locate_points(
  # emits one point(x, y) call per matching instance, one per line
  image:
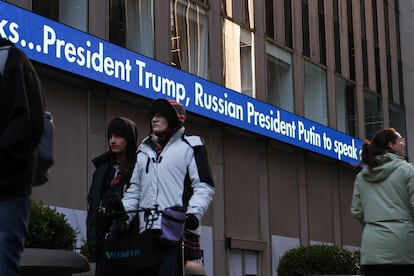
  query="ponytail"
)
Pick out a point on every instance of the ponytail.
point(378, 146)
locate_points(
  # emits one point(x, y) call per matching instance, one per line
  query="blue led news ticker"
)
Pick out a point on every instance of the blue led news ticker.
point(63, 47)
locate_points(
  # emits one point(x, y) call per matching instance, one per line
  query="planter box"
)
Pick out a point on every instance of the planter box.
point(48, 262)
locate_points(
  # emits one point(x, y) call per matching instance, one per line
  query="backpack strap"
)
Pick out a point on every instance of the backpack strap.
point(192, 140)
point(195, 142)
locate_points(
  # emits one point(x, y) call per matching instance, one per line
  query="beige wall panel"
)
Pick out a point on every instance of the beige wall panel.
point(343, 36)
point(241, 188)
point(68, 176)
point(330, 63)
point(215, 43)
point(314, 31)
point(25, 4)
point(383, 63)
point(161, 31)
point(370, 44)
point(394, 51)
point(99, 18)
point(121, 108)
point(283, 193)
point(279, 21)
point(297, 57)
point(320, 205)
point(97, 142)
point(351, 229)
point(356, 18)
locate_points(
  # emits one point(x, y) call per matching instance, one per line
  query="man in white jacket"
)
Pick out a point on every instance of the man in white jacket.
point(171, 170)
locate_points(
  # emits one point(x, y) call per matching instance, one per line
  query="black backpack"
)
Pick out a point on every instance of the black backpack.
point(45, 148)
point(45, 151)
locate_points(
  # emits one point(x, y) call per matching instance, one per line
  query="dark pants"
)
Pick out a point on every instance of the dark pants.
point(387, 270)
point(170, 265)
point(14, 215)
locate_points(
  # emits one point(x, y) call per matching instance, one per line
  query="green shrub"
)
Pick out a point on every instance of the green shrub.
point(84, 250)
point(49, 229)
point(318, 260)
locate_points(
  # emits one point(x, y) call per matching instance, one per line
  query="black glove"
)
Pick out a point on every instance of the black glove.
point(117, 228)
point(191, 222)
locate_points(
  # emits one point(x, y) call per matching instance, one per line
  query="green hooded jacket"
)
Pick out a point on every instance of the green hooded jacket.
point(383, 202)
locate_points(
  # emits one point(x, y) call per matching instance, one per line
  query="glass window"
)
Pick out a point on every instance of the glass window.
point(322, 38)
point(132, 26)
point(241, 11)
point(270, 21)
point(305, 28)
point(288, 23)
point(73, 13)
point(246, 62)
point(243, 263)
point(239, 60)
point(397, 118)
point(346, 114)
point(189, 37)
point(279, 77)
point(373, 114)
point(315, 94)
point(337, 42)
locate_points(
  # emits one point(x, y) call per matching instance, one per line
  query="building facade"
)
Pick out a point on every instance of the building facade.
point(335, 66)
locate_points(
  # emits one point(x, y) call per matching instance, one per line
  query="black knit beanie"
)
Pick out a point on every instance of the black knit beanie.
point(126, 129)
point(171, 109)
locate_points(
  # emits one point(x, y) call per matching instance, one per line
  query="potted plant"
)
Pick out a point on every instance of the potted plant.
point(319, 259)
point(49, 247)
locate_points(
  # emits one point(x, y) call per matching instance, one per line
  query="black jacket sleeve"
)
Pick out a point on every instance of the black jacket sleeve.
point(22, 94)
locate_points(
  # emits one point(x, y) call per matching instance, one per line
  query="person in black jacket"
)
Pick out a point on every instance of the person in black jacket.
point(110, 179)
point(21, 126)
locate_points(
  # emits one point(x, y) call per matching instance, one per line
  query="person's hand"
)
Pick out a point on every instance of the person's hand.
point(120, 226)
point(191, 222)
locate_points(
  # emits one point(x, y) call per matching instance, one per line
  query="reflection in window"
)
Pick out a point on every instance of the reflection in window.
point(397, 118)
point(315, 94)
point(243, 263)
point(246, 62)
point(189, 37)
point(239, 60)
point(73, 13)
point(373, 114)
point(279, 77)
point(346, 117)
point(241, 11)
point(132, 26)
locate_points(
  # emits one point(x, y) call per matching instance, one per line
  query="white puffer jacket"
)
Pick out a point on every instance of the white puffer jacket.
point(179, 176)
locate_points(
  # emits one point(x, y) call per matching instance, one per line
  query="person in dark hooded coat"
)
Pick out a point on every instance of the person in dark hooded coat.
point(21, 127)
point(110, 179)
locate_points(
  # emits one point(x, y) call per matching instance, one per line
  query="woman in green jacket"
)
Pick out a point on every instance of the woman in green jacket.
point(383, 202)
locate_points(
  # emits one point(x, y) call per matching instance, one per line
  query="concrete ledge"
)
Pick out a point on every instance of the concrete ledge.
point(39, 261)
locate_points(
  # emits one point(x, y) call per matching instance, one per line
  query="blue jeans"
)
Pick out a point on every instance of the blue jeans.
point(14, 217)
